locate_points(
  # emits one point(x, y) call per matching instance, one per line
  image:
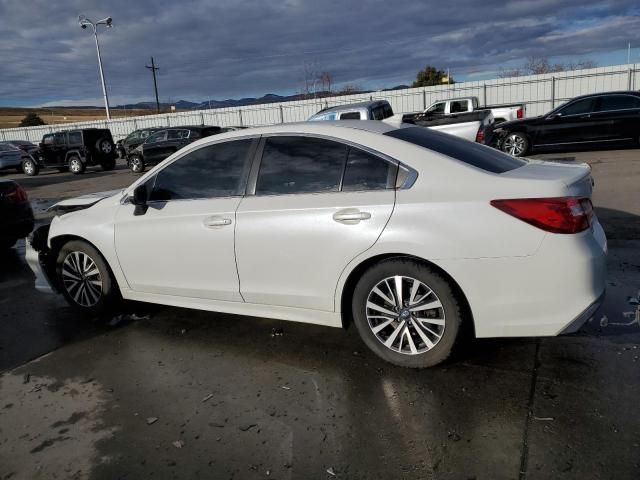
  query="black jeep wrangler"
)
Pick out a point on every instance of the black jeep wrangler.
point(73, 150)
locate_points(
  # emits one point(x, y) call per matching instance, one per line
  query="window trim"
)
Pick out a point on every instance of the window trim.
point(405, 176)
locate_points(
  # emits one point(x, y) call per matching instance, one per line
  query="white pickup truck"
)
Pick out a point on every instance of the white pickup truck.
point(453, 106)
point(476, 126)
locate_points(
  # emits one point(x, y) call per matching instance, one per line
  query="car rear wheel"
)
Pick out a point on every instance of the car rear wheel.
point(85, 279)
point(75, 165)
point(136, 164)
point(407, 313)
point(30, 167)
point(516, 144)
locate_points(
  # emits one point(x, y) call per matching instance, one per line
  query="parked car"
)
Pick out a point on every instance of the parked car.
point(411, 234)
point(474, 126)
point(23, 145)
point(598, 119)
point(10, 157)
point(125, 146)
point(455, 106)
point(159, 145)
point(73, 150)
point(16, 216)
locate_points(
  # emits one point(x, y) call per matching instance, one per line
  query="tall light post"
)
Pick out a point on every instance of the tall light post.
point(84, 23)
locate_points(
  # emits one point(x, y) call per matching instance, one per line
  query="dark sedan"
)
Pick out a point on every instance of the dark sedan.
point(16, 216)
point(599, 119)
point(163, 143)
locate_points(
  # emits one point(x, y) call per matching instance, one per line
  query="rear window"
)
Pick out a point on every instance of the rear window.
point(471, 153)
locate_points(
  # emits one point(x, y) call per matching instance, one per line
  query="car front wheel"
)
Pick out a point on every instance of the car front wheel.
point(407, 313)
point(30, 167)
point(516, 144)
point(85, 279)
point(136, 164)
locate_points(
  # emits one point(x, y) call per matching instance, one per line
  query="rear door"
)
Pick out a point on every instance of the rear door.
point(10, 156)
point(314, 205)
point(621, 113)
point(152, 148)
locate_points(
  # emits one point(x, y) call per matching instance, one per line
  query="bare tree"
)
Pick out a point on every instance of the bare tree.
point(350, 89)
point(326, 79)
point(536, 65)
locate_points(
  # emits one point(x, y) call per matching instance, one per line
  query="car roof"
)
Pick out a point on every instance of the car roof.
point(367, 104)
point(604, 94)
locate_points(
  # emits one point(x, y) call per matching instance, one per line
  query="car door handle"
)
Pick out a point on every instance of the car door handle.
point(351, 216)
point(216, 222)
point(586, 116)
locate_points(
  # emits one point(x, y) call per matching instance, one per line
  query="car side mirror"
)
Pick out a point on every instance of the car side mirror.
point(140, 198)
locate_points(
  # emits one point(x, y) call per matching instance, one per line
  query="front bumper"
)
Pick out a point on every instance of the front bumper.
point(37, 256)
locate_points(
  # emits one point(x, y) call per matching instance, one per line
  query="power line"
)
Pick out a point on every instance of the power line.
point(153, 69)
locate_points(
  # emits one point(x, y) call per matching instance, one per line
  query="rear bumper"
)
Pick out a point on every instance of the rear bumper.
point(17, 223)
point(552, 292)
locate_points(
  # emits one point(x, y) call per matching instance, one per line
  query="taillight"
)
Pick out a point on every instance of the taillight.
point(17, 195)
point(556, 215)
point(520, 112)
point(480, 135)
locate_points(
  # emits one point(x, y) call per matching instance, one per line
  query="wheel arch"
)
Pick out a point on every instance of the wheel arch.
point(72, 153)
point(56, 243)
point(346, 293)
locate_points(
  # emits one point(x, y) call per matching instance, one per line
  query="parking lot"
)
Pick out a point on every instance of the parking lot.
point(165, 392)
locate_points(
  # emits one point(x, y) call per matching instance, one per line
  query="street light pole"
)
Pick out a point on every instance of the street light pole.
point(84, 21)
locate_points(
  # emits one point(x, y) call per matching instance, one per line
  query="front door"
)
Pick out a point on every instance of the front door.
point(574, 123)
point(317, 205)
point(183, 245)
point(152, 147)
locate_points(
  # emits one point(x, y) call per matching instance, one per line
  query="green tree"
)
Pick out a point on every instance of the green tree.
point(32, 120)
point(430, 76)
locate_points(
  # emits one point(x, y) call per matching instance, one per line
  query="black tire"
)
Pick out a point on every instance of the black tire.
point(30, 167)
point(76, 165)
point(109, 293)
point(136, 164)
point(450, 313)
point(108, 165)
point(515, 144)
point(105, 146)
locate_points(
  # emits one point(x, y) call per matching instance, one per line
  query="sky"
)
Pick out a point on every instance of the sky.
point(220, 49)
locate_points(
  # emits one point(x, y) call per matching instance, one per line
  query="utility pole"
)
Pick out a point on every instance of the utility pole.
point(153, 69)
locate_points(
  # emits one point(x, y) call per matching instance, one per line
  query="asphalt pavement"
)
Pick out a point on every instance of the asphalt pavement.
point(163, 392)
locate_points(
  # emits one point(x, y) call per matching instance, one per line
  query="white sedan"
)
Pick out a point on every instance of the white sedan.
point(410, 234)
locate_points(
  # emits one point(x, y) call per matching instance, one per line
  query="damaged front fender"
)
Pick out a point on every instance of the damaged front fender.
point(40, 259)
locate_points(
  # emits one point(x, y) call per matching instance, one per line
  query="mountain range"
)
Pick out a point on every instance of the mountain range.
point(268, 98)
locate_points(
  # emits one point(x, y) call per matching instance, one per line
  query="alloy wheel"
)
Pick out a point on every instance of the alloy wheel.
point(514, 144)
point(136, 164)
point(405, 315)
point(81, 279)
point(28, 167)
point(106, 147)
point(74, 165)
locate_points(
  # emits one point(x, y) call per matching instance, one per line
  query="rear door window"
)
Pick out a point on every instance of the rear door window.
point(618, 102)
point(471, 153)
point(459, 106)
point(293, 165)
point(350, 116)
point(75, 138)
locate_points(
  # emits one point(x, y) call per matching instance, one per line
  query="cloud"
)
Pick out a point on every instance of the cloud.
point(234, 48)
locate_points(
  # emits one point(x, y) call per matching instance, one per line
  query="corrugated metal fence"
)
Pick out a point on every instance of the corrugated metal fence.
point(540, 93)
